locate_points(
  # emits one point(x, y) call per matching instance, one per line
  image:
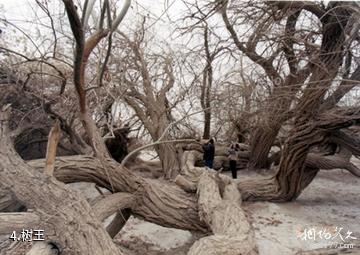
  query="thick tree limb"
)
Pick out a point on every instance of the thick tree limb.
point(88, 7)
point(160, 202)
point(289, 42)
point(331, 162)
point(91, 43)
point(112, 203)
point(79, 66)
point(346, 139)
point(17, 222)
point(223, 214)
point(121, 15)
point(338, 118)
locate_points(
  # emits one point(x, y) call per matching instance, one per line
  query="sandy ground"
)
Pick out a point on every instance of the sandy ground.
point(330, 204)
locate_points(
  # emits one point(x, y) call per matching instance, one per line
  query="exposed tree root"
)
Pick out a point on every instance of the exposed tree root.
point(232, 234)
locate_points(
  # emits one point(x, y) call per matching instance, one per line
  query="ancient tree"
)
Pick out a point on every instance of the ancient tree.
point(287, 61)
point(196, 199)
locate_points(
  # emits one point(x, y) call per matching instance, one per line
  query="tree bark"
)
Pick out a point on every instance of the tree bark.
point(112, 203)
point(17, 222)
point(169, 160)
point(157, 201)
point(8, 202)
point(261, 141)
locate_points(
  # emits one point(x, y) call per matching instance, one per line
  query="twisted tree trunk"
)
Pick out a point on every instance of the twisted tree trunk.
point(74, 227)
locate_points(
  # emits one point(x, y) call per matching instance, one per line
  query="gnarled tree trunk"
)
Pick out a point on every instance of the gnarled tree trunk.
point(74, 226)
point(261, 141)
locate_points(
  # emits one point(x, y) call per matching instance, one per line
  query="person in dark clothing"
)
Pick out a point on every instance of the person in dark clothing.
point(209, 153)
point(233, 156)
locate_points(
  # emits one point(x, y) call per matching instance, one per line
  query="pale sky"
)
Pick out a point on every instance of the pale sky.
point(17, 10)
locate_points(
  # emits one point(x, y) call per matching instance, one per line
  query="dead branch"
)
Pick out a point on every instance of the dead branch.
point(53, 140)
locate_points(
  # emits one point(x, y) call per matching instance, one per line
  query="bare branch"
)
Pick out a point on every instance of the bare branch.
point(120, 16)
point(89, 6)
point(264, 63)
